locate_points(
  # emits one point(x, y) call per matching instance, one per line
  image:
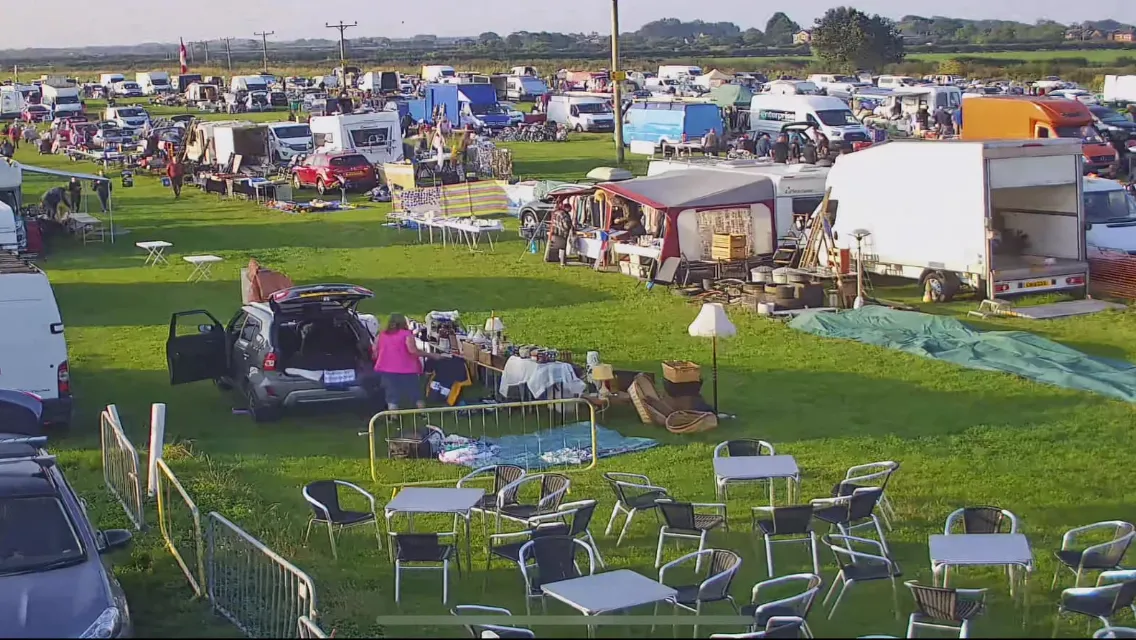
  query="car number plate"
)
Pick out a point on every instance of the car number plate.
point(1035, 284)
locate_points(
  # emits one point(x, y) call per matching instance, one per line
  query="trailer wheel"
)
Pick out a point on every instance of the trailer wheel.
point(579, 128)
point(940, 286)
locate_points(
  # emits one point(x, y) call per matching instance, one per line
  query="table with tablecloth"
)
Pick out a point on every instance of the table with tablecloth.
point(541, 379)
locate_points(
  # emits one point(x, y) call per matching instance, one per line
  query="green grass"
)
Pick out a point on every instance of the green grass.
point(1057, 458)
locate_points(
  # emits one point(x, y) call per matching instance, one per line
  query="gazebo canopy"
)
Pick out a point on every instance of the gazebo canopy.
point(694, 190)
point(734, 95)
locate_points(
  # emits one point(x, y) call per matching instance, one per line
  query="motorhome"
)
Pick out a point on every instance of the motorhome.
point(525, 88)
point(437, 72)
point(11, 103)
point(248, 84)
point(582, 112)
point(679, 72)
point(800, 187)
point(658, 122)
point(1110, 216)
point(378, 136)
point(287, 140)
point(1027, 118)
point(63, 101)
point(831, 116)
point(1012, 221)
point(154, 83)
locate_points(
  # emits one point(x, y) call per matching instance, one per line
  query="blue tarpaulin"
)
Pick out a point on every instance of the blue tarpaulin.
point(570, 444)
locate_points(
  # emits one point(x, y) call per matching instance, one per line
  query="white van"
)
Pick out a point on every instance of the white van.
point(154, 82)
point(127, 89)
point(835, 84)
point(679, 72)
point(791, 88)
point(934, 97)
point(437, 72)
point(769, 113)
point(891, 82)
point(378, 135)
point(525, 88)
point(1110, 216)
point(582, 112)
point(11, 103)
point(128, 118)
point(33, 351)
point(108, 80)
point(289, 139)
point(248, 84)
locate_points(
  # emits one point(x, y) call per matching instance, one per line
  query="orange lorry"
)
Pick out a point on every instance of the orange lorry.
point(1029, 117)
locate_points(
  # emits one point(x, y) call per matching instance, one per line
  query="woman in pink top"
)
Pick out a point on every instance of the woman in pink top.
point(398, 362)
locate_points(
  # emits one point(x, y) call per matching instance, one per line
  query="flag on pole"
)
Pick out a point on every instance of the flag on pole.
point(181, 57)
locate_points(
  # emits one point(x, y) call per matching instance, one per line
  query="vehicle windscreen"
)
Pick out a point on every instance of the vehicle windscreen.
point(948, 100)
point(370, 137)
point(837, 117)
point(130, 86)
point(131, 113)
point(593, 107)
point(1086, 134)
point(295, 131)
point(349, 162)
point(36, 535)
point(1110, 206)
point(67, 100)
point(1108, 116)
point(254, 87)
point(446, 73)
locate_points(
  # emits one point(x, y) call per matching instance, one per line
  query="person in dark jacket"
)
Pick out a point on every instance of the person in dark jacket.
point(559, 233)
point(75, 192)
point(176, 173)
point(780, 149)
point(102, 190)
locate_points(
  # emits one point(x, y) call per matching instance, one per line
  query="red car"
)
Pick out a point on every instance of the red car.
point(35, 113)
point(327, 171)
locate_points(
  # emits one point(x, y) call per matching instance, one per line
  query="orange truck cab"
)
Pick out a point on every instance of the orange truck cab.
point(1028, 117)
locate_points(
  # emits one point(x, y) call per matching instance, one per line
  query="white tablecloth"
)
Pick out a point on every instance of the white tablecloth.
point(589, 247)
point(540, 377)
point(636, 250)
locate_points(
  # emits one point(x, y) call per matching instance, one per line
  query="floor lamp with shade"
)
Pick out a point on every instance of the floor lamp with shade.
point(712, 322)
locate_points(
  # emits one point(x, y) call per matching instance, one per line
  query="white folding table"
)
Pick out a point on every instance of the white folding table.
point(156, 249)
point(608, 591)
point(202, 266)
point(441, 500)
point(471, 232)
point(752, 468)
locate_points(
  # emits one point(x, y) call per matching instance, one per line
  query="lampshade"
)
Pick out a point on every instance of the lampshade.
point(712, 322)
point(494, 324)
point(603, 373)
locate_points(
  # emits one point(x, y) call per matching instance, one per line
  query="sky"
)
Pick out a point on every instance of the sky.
point(120, 22)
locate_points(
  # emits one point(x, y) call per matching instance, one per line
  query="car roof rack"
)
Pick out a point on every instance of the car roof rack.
point(15, 456)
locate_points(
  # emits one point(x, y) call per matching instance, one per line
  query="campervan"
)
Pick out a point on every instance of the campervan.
point(437, 72)
point(289, 139)
point(525, 88)
point(932, 96)
point(63, 101)
point(582, 112)
point(378, 135)
point(154, 83)
point(679, 72)
point(831, 116)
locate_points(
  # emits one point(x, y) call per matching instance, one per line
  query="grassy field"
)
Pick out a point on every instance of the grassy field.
point(1056, 458)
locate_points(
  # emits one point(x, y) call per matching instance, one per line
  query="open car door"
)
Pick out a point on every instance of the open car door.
point(197, 347)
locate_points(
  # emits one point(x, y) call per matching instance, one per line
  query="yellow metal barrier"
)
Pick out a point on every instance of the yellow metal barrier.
point(483, 410)
point(167, 483)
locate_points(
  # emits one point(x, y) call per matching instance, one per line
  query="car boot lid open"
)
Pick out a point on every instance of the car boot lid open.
point(294, 298)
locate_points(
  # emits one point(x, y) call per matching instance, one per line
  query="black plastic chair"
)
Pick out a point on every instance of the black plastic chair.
point(785, 524)
point(1105, 556)
point(503, 475)
point(943, 608)
point(633, 493)
point(323, 496)
point(797, 606)
point(682, 522)
point(1115, 591)
point(777, 627)
point(500, 631)
point(424, 548)
point(849, 513)
point(553, 488)
point(860, 566)
point(578, 517)
point(721, 570)
point(982, 520)
point(507, 546)
point(553, 559)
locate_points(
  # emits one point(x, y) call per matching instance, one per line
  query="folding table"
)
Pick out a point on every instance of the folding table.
point(202, 266)
point(156, 249)
point(441, 500)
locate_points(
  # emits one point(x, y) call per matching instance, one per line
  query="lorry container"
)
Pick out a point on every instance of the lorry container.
point(250, 141)
point(479, 108)
point(1029, 117)
point(445, 96)
point(1002, 217)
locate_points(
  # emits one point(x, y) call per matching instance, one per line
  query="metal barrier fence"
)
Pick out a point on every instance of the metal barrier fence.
point(120, 466)
point(172, 513)
point(308, 629)
point(1113, 273)
point(252, 586)
point(481, 421)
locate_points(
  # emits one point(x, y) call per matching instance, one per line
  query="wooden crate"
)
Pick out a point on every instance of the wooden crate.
point(728, 253)
point(681, 371)
point(729, 241)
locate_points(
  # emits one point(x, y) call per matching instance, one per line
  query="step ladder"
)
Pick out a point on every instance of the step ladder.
point(789, 246)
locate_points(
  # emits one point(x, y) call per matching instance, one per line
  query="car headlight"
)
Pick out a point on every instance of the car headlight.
point(105, 626)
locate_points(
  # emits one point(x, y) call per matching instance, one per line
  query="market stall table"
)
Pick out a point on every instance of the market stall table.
point(202, 267)
point(540, 378)
point(439, 500)
point(471, 232)
point(156, 249)
point(753, 468)
point(608, 591)
point(87, 226)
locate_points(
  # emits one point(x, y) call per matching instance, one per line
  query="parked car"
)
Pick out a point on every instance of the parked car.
point(277, 99)
point(279, 353)
point(325, 171)
point(111, 135)
point(36, 113)
point(53, 580)
point(1112, 124)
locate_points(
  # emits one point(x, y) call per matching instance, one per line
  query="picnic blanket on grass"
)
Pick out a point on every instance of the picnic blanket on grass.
point(570, 444)
point(1018, 352)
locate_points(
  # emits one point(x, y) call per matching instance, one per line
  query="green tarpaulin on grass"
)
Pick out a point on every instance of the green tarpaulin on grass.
point(942, 338)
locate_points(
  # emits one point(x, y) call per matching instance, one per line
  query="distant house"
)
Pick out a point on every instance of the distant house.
point(803, 37)
point(1124, 35)
point(1079, 33)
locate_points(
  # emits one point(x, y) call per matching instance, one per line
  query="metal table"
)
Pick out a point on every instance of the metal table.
point(753, 468)
point(439, 500)
point(608, 591)
point(1011, 550)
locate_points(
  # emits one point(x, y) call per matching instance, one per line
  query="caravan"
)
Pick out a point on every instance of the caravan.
point(378, 136)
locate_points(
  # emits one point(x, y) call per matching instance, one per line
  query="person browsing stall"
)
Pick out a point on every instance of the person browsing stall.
point(398, 363)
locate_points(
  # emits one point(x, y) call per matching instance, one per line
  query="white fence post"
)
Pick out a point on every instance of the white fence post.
point(157, 443)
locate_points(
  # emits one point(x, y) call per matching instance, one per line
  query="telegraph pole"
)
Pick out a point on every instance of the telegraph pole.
point(342, 48)
point(228, 52)
point(205, 43)
point(264, 43)
point(617, 82)
point(190, 49)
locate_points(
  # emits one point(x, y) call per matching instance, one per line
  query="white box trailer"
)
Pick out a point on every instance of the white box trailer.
point(1119, 89)
point(248, 141)
point(1004, 217)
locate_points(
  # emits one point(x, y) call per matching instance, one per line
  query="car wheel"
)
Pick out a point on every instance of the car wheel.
point(579, 128)
point(296, 184)
point(321, 187)
point(259, 412)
